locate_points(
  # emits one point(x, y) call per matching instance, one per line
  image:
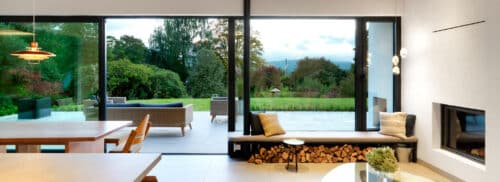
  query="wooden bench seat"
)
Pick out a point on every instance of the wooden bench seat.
point(323, 137)
point(250, 143)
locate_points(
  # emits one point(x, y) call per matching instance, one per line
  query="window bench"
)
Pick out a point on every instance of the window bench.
point(251, 143)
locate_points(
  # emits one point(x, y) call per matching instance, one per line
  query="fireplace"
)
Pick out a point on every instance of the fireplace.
point(463, 131)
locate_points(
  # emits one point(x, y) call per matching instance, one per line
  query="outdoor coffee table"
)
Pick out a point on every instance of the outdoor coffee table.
point(293, 143)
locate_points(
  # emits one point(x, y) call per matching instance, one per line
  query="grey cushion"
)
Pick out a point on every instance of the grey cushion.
point(175, 104)
point(124, 105)
point(255, 124)
point(410, 124)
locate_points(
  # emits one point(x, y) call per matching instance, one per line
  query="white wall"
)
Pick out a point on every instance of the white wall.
point(456, 67)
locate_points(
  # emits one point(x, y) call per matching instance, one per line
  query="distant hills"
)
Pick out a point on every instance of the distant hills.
point(292, 64)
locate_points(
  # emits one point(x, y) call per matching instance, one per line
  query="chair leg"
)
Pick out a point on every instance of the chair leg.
point(190, 127)
point(182, 130)
point(213, 117)
point(150, 179)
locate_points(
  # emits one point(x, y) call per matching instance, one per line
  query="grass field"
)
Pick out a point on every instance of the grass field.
point(271, 103)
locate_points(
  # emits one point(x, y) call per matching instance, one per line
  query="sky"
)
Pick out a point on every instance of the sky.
point(290, 39)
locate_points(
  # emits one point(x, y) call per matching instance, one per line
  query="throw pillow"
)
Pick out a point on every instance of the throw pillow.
point(393, 124)
point(256, 125)
point(270, 124)
point(410, 124)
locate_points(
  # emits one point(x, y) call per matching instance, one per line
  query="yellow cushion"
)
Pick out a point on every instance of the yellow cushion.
point(270, 124)
point(393, 124)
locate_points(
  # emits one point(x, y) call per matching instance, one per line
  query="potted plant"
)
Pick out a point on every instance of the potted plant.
point(382, 162)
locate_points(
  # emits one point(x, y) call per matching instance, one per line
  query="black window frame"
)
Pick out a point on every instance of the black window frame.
point(360, 55)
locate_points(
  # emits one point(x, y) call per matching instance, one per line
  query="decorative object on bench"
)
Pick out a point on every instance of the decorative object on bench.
point(162, 115)
point(34, 108)
point(135, 139)
point(292, 144)
point(311, 154)
point(218, 106)
point(270, 124)
point(382, 161)
point(393, 124)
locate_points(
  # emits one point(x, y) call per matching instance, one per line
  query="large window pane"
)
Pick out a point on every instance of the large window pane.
point(379, 71)
point(56, 89)
point(64, 82)
point(153, 62)
point(303, 70)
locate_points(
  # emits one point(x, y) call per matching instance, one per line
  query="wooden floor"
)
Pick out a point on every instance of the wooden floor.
point(221, 168)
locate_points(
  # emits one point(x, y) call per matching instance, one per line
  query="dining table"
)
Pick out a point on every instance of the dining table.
point(76, 167)
point(76, 136)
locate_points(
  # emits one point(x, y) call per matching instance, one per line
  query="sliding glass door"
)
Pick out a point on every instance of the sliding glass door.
point(381, 70)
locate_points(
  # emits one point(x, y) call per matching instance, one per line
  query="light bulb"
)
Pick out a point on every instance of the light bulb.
point(403, 52)
point(395, 60)
point(396, 70)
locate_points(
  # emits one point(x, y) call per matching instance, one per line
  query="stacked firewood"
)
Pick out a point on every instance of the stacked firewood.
point(310, 154)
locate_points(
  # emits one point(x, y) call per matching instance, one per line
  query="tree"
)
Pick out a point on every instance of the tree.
point(207, 75)
point(266, 78)
point(320, 69)
point(127, 47)
point(172, 46)
point(221, 46)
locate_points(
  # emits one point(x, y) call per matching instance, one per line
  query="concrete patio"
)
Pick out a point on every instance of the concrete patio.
point(211, 138)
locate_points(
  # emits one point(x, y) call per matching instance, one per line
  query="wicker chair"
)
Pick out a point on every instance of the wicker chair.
point(218, 106)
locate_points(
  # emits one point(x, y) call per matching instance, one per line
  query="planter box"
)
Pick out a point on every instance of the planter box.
point(31, 108)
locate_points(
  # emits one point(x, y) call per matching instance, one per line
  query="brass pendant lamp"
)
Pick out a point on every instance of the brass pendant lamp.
point(33, 54)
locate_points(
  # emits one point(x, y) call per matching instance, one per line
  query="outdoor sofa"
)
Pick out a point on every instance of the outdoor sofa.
point(161, 115)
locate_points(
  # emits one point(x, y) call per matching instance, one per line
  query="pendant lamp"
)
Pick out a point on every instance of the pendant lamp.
point(33, 54)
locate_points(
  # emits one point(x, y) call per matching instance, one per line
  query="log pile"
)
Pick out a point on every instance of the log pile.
point(310, 154)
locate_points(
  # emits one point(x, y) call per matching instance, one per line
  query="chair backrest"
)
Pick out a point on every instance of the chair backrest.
point(138, 135)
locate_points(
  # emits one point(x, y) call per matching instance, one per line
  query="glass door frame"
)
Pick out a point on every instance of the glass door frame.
point(361, 77)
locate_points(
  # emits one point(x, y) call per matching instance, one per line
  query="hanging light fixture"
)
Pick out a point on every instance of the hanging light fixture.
point(33, 54)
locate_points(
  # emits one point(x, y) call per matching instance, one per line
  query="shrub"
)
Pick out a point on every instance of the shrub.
point(6, 106)
point(140, 81)
point(166, 84)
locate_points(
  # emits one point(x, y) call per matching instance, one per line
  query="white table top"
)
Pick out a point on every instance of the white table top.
point(55, 132)
point(356, 172)
point(293, 141)
point(75, 167)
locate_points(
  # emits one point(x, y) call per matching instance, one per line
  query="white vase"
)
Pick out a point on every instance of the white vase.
point(373, 175)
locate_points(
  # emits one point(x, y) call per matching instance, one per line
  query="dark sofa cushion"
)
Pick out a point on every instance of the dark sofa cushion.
point(255, 124)
point(124, 105)
point(410, 124)
point(174, 104)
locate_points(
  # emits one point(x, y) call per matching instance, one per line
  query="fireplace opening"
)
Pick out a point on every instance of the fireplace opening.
point(463, 131)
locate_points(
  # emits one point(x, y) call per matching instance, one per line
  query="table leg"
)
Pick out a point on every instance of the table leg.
point(296, 162)
point(28, 149)
point(96, 146)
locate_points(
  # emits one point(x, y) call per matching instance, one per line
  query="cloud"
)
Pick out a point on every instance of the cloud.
point(140, 28)
point(298, 38)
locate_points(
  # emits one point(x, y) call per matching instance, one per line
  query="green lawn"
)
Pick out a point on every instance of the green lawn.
point(271, 103)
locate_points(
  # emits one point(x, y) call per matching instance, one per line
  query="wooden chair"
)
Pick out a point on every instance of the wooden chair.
point(135, 139)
